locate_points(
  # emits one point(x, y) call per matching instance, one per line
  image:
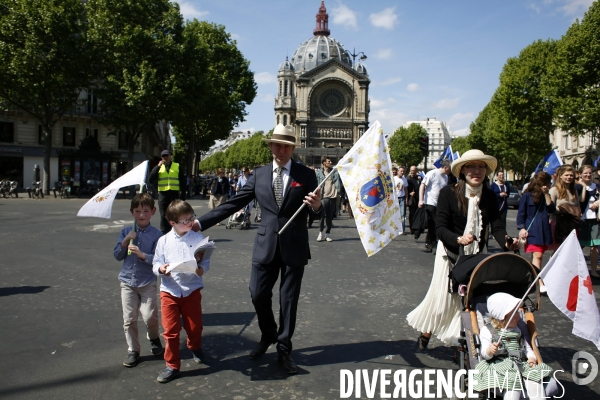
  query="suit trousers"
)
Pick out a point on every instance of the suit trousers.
point(136, 301)
point(190, 310)
point(164, 199)
point(431, 238)
point(262, 280)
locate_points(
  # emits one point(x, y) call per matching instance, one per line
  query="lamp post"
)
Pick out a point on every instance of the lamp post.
point(363, 56)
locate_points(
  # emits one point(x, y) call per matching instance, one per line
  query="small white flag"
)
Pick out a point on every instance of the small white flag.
point(366, 171)
point(570, 288)
point(101, 204)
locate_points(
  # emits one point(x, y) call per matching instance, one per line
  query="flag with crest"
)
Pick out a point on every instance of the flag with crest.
point(366, 171)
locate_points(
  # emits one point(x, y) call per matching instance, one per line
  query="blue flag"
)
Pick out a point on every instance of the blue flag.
point(550, 163)
point(446, 155)
point(456, 156)
point(596, 162)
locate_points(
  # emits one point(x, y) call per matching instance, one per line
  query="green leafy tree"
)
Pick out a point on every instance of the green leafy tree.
point(138, 49)
point(574, 76)
point(404, 145)
point(44, 61)
point(216, 87)
point(461, 144)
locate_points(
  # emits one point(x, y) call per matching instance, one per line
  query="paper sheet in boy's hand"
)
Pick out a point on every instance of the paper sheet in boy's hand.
point(183, 266)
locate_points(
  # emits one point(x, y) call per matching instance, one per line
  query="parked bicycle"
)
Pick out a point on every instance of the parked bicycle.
point(9, 189)
point(65, 189)
point(37, 191)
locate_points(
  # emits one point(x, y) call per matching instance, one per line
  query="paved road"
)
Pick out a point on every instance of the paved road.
point(62, 335)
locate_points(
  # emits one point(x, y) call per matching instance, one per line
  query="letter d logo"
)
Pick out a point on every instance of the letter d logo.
point(578, 366)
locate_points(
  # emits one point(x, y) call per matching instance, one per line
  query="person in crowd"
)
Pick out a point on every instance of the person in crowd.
point(171, 183)
point(464, 212)
point(563, 194)
point(429, 192)
point(330, 191)
point(401, 187)
point(589, 228)
point(502, 191)
point(138, 283)
point(533, 218)
point(508, 355)
point(232, 184)
point(281, 188)
point(413, 197)
point(219, 188)
point(180, 297)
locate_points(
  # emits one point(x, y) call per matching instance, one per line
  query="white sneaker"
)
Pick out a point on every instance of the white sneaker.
point(320, 237)
point(542, 288)
point(328, 238)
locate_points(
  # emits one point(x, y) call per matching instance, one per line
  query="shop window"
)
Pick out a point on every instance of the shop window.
point(7, 132)
point(122, 140)
point(69, 135)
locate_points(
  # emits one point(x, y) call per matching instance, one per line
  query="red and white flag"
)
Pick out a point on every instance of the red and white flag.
point(570, 288)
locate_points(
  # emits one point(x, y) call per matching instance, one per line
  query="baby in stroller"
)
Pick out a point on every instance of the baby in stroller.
point(509, 366)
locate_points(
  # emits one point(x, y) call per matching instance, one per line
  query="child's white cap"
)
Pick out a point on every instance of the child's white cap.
point(501, 304)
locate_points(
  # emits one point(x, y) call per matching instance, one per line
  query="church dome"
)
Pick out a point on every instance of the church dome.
point(318, 50)
point(360, 68)
point(286, 66)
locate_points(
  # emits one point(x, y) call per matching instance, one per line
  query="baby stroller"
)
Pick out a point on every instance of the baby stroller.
point(240, 219)
point(484, 275)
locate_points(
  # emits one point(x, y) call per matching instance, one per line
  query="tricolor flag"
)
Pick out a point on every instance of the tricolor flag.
point(101, 204)
point(570, 288)
point(366, 171)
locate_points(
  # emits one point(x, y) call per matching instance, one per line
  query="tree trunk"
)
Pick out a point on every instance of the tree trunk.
point(47, 153)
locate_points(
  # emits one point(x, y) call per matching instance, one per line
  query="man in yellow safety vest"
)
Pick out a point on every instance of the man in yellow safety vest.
point(171, 185)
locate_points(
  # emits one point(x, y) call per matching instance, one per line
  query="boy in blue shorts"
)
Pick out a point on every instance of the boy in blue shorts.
point(138, 283)
point(180, 291)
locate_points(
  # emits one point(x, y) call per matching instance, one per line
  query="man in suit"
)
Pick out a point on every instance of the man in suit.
point(281, 188)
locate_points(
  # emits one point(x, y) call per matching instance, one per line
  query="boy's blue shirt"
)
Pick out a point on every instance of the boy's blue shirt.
point(135, 272)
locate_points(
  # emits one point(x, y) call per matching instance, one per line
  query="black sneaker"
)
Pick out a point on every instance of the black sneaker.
point(132, 359)
point(156, 346)
point(167, 375)
point(428, 248)
point(198, 356)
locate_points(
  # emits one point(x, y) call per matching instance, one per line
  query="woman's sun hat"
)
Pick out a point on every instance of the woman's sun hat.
point(501, 304)
point(474, 155)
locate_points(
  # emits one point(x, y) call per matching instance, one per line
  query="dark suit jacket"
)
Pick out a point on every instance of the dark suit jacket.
point(450, 224)
point(294, 240)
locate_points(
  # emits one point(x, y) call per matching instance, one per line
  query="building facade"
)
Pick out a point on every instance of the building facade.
point(439, 135)
point(323, 93)
point(575, 150)
point(82, 148)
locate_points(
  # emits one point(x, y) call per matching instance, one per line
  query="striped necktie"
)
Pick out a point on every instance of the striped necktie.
point(278, 186)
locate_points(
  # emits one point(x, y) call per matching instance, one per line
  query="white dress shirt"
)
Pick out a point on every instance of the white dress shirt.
point(285, 175)
point(172, 248)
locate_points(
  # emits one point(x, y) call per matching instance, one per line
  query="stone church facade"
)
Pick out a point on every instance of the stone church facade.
point(323, 94)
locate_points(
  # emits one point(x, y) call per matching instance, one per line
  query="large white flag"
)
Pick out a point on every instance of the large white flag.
point(366, 171)
point(570, 289)
point(101, 204)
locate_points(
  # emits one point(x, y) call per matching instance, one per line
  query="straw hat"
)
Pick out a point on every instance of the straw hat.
point(474, 155)
point(283, 134)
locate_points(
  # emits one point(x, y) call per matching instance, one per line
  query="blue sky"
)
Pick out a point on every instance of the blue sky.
point(425, 59)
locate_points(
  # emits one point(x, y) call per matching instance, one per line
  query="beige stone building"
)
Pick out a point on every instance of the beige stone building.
point(575, 150)
point(324, 93)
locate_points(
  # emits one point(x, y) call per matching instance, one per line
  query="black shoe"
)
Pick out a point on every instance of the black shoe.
point(287, 363)
point(198, 356)
point(428, 248)
point(132, 359)
point(422, 342)
point(260, 349)
point(417, 235)
point(167, 375)
point(156, 346)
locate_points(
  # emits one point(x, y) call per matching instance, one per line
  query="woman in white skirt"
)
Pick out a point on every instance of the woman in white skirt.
point(464, 211)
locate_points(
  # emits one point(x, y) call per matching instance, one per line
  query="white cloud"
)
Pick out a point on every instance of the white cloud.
point(344, 16)
point(461, 122)
point(189, 11)
point(446, 104)
point(384, 54)
point(267, 98)
point(390, 119)
point(387, 82)
point(576, 7)
point(412, 87)
point(385, 19)
point(380, 103)
point(265, 77)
